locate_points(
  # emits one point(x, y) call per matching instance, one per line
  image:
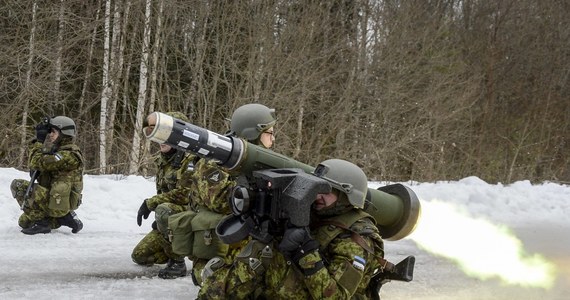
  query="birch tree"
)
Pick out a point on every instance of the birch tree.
point(154, 69)
point(117, 59)
point(27, 85)
point(59, 54)
point(107, 91)
point(134, 161)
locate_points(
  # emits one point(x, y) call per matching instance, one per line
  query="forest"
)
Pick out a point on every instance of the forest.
point(421, 90)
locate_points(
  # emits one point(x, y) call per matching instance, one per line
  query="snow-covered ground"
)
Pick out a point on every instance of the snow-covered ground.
point(96, 264)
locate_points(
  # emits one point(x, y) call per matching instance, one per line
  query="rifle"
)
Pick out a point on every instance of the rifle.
point(28, 193)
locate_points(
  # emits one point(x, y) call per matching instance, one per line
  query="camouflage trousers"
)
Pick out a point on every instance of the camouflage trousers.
point(36, 207)
point(238, 278)
point(155, 248)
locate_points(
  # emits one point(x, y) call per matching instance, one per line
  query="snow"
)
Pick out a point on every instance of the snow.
point(96, 263)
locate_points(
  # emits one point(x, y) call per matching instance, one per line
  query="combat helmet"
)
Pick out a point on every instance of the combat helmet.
point(178, 115)
point(64, 124)
point(250, 120)
point(346, 177)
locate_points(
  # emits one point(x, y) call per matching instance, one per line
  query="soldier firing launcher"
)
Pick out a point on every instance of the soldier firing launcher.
point(395, 207)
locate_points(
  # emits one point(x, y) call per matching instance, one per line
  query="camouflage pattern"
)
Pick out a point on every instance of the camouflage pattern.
point(29, 217)
point(161, 214)
point(237, 279)
point(172, 186)
point(150, 250)
point(172, 182)
point(343, 277)
point(59, 185)
point(211, 186)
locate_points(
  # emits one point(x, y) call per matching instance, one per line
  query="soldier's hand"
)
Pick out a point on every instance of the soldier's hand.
point(143, 212)
point(42, 131)
point(297, 242)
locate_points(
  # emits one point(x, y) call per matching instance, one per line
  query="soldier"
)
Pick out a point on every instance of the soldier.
point(174, 168)
point(211, 187)
point(58, 161)
point(335, 258)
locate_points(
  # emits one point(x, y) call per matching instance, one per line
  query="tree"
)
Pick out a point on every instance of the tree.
point(141, 102)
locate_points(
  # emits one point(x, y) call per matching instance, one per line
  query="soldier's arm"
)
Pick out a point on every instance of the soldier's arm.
point(344, 273)
point(58, 161)
point(181, 194)
point(178, 196)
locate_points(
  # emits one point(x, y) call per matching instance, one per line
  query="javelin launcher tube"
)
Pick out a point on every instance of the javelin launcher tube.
point(395, 207)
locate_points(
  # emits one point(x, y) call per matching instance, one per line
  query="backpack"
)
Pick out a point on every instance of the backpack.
point(193, 234)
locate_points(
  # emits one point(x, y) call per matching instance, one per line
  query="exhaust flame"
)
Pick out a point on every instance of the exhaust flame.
point(480, 248)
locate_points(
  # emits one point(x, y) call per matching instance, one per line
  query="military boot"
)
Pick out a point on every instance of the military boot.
point(71, 220)
point(41, 226)
point(174, 268)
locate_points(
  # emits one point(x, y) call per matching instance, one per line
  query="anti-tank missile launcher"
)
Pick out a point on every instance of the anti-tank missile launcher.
point(395, 207)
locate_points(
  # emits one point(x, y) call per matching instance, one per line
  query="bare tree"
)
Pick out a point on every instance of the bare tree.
point(141, 100)
point(107, 90)
point(26, 99)
point(420, 90)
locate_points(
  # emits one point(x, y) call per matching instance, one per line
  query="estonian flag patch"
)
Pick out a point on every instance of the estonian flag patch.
point(358, 263)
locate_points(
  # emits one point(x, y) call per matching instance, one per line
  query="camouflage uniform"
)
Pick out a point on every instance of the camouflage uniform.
point(59, 185)
point(210, 192)
point(262, 272)
point(211, 188)
point(172, 186)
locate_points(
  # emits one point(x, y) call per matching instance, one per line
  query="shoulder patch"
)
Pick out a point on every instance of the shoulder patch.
point(215, 176)
point(358, 263)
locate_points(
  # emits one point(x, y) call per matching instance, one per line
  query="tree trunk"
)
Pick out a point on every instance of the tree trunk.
point(58, 62)
point(27, 85)
point(117, 58)
point(134, 161)
point(89, 65)
point(107, 91)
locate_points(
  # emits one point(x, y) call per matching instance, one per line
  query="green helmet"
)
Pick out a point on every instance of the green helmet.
point(250, 120)
point(64, 124)
point(178, 115)
point(346, 177)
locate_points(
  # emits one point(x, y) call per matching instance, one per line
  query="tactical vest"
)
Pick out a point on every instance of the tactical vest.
point(347, 226)
point(325, 231)
point(65, 187)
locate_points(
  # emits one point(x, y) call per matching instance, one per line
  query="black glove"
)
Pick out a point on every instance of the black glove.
point(142, 213)
point(154, 226)
point(42, 130)
point(297, 242)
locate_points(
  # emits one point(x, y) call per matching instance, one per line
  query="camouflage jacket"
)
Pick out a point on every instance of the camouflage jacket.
point(64, 164)
point(172, 180)
point(211, 187)
point(346, 275)
point(61, 171)
point(348, 266)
